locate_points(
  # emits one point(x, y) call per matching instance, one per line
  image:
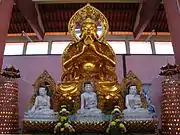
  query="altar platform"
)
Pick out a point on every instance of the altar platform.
point(136, 127)
point(89, 88)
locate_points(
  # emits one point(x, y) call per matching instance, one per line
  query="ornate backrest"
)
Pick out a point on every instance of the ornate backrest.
point(132, 79)
point(44, 79)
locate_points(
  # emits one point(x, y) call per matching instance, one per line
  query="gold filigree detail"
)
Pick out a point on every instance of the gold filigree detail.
point(83, 13)
point(43, 78)
point(68, 94)
point(131, 79)
point(141, 126)
point(132, 126)
point(29, 127)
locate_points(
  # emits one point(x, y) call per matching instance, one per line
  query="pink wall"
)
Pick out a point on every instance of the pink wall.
point(156, 94)
point(145, 67)
point(119, 67)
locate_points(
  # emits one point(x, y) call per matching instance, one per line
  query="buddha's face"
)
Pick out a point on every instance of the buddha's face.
point(89, 28)
point(88, 88)
point(42, 91)
point(132, 90)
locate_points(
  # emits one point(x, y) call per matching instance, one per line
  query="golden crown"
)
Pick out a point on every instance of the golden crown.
point(88, 20)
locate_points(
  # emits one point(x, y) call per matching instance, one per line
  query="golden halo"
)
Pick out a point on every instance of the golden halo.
point(83, 13)
point(131, 79)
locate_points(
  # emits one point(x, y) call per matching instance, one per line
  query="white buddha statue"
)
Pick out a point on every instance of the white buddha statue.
point(41, 109)
point(134, 109)
point(88, 100)
point(89, 111)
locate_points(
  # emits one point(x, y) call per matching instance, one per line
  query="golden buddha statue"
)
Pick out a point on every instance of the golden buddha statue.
point(89, 58)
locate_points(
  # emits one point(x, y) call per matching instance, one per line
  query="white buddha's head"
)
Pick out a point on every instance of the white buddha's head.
point(88, 87)
point(42, 91)
point(132, 90)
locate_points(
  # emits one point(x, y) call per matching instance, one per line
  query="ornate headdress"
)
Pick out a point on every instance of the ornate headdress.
point(88, 20)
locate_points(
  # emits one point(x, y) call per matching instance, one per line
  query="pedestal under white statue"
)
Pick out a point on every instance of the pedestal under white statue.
point(134, 109)
point(89, 111)
point(41, 108)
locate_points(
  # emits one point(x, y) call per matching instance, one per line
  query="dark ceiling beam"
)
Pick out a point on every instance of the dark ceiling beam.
point(148, 9)
point(137, 16)
point(39, 18)
point(28, 10)
point(84, 1)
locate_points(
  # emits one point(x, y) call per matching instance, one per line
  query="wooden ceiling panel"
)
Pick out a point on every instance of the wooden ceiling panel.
point(116, 12)
point(159, 21)
point(121, 17)
point(18, 22)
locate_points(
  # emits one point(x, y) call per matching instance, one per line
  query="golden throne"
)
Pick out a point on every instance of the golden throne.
point(89, 58)
point(44, 79)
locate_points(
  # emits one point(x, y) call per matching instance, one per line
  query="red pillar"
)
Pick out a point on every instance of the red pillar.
point(5, 17)
point(172, 8)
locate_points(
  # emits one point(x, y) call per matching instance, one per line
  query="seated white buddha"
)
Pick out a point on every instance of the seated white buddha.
point(88, 108)
point(134, 109)
point(41, 108)
point(88, 101)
